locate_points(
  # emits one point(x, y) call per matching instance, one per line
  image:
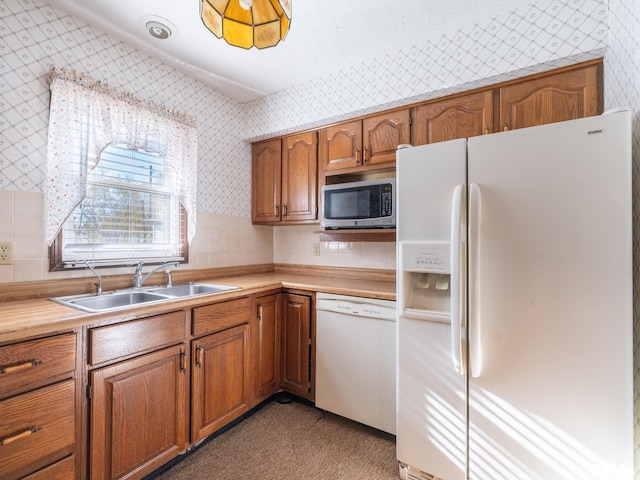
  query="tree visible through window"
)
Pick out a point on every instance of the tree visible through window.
point(131, 211)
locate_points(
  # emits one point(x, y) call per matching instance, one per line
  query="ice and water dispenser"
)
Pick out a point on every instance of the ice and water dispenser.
point(426, 280)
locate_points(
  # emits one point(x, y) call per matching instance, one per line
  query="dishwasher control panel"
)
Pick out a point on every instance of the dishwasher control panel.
point(363, 307)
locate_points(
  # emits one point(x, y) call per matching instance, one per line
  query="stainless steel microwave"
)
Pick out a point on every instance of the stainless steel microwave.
point(366, 204)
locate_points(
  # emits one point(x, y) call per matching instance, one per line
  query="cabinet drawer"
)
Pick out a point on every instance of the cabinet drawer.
point(36, 429)
point(32, 362)
point(219, 316)
point(128, 338)
point(62, 470)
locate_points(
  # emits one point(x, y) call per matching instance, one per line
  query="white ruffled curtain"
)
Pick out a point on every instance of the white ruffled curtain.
point(86, 115)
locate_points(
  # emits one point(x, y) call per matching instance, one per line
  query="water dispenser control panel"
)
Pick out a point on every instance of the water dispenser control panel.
point(427, 257)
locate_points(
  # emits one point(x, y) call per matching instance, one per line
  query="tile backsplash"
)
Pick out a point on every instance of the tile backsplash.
point(299, 245)
point(220, 240)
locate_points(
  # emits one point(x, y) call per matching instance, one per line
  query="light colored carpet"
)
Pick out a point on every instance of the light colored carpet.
point(292, 441)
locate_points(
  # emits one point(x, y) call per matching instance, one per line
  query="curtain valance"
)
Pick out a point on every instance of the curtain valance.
point(86, 115)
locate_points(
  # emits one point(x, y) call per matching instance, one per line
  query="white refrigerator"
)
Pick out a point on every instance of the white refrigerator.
point(515, 305)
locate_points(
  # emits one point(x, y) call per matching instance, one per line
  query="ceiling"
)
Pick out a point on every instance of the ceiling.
point(325, 37)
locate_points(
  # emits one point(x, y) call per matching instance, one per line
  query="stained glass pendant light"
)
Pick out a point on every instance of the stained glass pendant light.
point(247, 23)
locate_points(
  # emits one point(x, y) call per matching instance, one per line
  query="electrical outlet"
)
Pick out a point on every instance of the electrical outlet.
point(316, 249)
point(6, 253)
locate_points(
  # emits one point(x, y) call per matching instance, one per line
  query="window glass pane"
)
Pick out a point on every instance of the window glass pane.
point(130, 212)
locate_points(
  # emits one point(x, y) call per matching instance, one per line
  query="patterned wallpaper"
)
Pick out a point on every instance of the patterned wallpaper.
point(34, 36)
point(622, 88)
point(529, 39)
point(546, 34)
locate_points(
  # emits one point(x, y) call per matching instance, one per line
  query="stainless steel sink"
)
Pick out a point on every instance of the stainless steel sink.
point(121, 299)
point(190, 289)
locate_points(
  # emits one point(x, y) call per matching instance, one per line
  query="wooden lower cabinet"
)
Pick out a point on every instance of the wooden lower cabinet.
point(139, 414)
point(62, 470)
point(220, 379)
point(39, 408)
point(36, 429)
point(296, 345)
point(267, 329)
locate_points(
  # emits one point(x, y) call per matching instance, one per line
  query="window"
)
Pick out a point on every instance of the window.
point(131, 211)
point(107, 201)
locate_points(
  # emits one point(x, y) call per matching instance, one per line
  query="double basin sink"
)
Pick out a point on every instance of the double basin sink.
point(121, 299)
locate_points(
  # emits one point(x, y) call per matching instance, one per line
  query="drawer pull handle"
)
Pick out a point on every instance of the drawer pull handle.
point(18, 436)
point(20, 366)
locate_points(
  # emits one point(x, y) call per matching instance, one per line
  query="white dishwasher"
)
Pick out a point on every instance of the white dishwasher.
point(356, 359)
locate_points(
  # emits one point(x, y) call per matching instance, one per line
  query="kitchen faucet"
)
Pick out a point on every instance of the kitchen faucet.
point(99, 284)
point(138, 279)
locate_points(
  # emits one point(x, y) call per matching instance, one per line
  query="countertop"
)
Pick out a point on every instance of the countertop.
point(28, 318)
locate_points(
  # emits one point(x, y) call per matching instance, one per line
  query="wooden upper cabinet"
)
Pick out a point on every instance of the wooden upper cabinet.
point(364, 144)
point(552, 98)
point(341, 146)
point(285, 179)
point(299, 177)
point(266, 177)
point(459, 117)
point(381, 136)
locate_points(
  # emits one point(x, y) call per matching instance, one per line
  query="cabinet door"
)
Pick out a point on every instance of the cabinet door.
point(553, 98)
point(267, 340)
point(299, 177)
point(220, 380)
point(459, 117)
point(139, 414)
point(296, 344)
point(340, 146)
point(265, 195)
point(381, 136)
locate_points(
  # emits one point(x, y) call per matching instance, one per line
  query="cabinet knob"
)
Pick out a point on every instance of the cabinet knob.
point(284, 210)
point(357, 156)
point(365, 155)
point(487, 131)
point(506, 128)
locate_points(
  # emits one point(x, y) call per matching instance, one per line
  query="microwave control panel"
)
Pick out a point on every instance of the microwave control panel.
point(386, 199)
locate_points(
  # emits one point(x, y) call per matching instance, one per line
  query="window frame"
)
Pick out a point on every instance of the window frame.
point(56, 263)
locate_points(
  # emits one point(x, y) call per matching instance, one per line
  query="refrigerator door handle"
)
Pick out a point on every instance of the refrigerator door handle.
point(475, 218)
point(458, 278)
